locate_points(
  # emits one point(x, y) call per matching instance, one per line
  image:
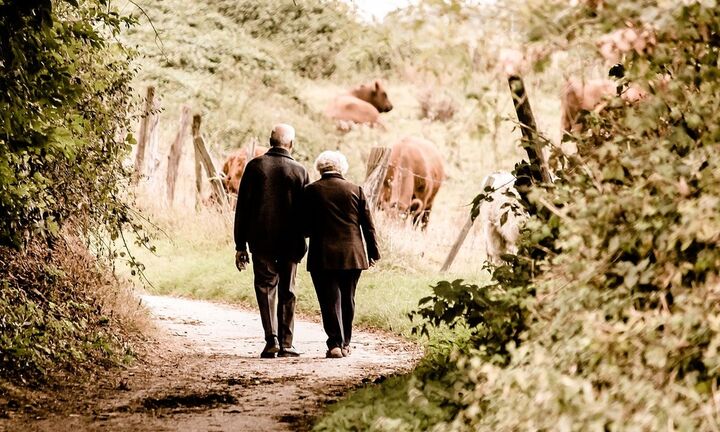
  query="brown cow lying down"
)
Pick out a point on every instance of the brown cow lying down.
point(414, 175)
point(591, 95)
point(362, 105)
point(234, 167)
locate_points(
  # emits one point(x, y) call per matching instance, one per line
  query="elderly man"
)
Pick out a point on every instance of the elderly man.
point(337, 219)
point(267, 218)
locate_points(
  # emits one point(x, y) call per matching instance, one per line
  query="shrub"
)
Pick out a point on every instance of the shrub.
point(625, 251)
point(311, 33)
point(65, 106)
point(492, 314)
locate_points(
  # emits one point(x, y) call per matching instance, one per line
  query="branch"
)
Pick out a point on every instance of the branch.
point(157, 34)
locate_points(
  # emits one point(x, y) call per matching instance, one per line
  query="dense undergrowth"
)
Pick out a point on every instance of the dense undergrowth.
point(62, 313)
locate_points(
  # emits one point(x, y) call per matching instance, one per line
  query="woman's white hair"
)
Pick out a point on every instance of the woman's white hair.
point(331, 161)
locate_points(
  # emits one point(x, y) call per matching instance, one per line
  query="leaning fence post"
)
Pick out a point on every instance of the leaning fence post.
point(176, 153)
point(458, 244)
point(375, 173)
point(152, 158)
point(531, 142)
point(147, 123)
point(464, 231)
point(218, 191)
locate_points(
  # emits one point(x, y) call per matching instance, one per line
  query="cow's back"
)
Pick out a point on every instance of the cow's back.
point(421, 157)
point(592, 95)
point(415, 173)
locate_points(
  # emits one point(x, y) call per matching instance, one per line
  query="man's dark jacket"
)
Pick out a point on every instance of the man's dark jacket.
point(336, 213)
point(268, 213)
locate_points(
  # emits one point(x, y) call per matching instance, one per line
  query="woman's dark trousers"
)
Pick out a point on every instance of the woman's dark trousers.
point(336, 293)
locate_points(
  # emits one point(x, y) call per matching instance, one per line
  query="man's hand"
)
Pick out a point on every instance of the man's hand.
point(372, 262)
point(241, 260)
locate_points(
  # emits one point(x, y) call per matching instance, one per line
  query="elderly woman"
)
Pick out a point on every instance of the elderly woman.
point(337, 217)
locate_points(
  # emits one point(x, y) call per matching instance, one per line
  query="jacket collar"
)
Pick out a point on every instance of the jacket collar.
point(279, 151)
point(332, 174)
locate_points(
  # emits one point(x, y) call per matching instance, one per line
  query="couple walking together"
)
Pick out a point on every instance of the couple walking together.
point(276, 210)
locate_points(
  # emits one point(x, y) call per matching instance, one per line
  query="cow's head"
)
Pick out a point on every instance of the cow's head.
point(374, 94)
point(233, 170)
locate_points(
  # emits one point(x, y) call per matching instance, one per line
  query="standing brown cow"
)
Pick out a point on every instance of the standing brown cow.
point(234, 167)
point(591, 95)
point(414, 175)
point(362, 105)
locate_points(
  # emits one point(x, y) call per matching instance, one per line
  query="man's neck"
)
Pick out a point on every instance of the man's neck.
point(282, 149)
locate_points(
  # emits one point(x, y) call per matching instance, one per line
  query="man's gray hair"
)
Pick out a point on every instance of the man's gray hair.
point(282, 135)
point(331, 161)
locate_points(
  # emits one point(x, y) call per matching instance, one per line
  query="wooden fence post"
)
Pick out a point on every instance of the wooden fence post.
point(147, 124)
point(251, 150)
point(531, 142)
point(153, 159)
point(176, 153)
point(375, 174)
point(198, 161)
point(533, 147)
point(201, 151)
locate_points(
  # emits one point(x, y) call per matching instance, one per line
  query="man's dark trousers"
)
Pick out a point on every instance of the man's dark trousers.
point(275, 280)
point(336, 294)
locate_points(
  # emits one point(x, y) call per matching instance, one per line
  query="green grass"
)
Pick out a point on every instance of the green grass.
point(362, 412)
point(198, 262)
point(416, 401)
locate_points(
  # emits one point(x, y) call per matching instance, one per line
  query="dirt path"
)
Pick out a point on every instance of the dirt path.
point(205, 374)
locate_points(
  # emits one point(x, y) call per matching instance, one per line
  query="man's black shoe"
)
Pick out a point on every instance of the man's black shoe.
point(271, 348)
point(289, 352)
